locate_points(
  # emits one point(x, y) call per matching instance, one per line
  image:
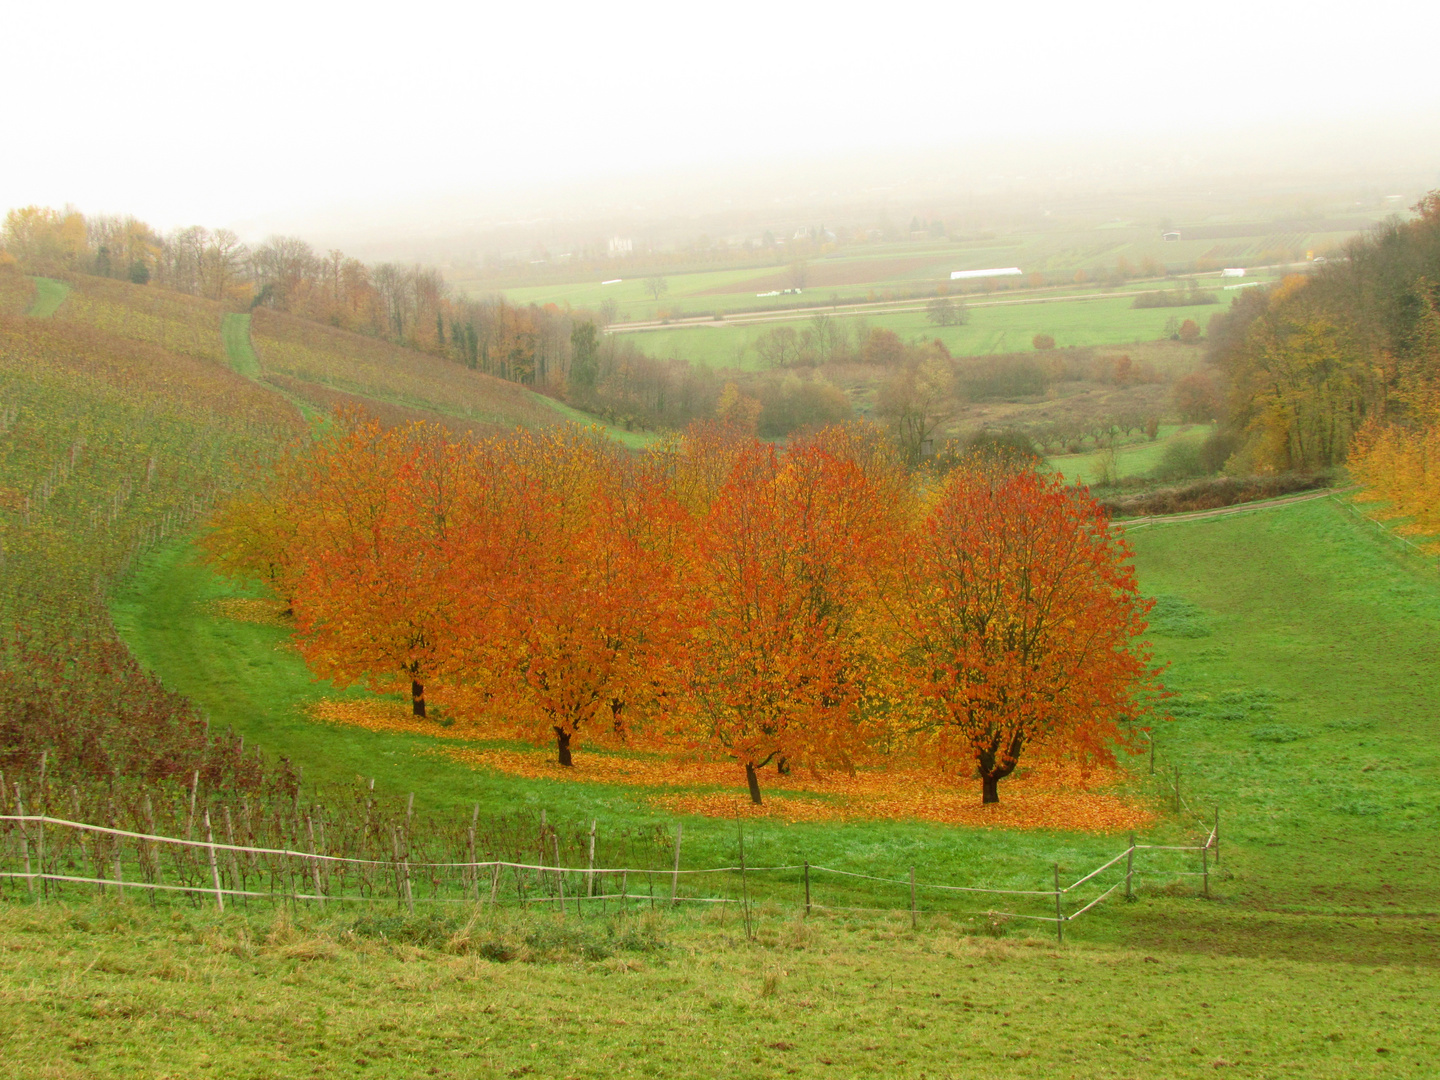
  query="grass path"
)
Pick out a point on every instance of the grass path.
point(49, 295)
point(235, 332)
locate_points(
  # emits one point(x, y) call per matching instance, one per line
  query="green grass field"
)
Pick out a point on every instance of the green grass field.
point(49, 295)
point(1303, 649)
point(96, 992)
point(1007, 327)
point(1134, 459)
point(861, 272)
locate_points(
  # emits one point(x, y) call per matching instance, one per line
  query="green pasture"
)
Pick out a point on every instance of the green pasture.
point(1138, 458)
point(994, 327)
point(860, 272)
point(99, 991)
point(1301, 648)
point(1300, 644)
point(49, 295)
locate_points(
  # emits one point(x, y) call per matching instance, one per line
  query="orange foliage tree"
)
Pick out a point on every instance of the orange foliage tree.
point(1016, 617)
point(776, 657)
point(376, 602)
point(586, 590)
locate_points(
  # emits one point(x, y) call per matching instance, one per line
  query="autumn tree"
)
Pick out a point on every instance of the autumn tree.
point(576, 622)
point(378, 601)
point(915, 401)
point(257, 536)
point(1016, 620)
point(776, 654)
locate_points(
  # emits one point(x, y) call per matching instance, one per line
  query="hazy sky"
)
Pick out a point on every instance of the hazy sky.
point(219, 114)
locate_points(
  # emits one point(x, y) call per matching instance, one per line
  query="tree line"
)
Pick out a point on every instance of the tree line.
point(815, 607)
point(1344, 358)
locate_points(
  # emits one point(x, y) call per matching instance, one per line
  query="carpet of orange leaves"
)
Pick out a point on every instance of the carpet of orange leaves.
point(1045, 796)
point(264, 612)
point(391, 717)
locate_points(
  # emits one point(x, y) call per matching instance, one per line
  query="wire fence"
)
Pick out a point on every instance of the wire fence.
point(43, 857)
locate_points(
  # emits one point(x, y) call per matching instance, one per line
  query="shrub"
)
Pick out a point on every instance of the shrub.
point(1180, 461)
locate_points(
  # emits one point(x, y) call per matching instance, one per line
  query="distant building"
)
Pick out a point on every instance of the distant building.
point(1170, 236)
point(965, 275)
point(1233, 271)
point(620, 246)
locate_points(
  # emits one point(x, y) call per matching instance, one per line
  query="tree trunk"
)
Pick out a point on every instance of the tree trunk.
point(562, 744)
point(990, 787)
point(417, 698)
point(753, 779)
point(993, 766)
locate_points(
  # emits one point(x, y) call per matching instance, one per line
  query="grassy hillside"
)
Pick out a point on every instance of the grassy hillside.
point(119, 992)
point(1301, 647)
point(1318, 759)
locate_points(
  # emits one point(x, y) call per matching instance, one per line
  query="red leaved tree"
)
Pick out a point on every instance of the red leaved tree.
point(1016, 620)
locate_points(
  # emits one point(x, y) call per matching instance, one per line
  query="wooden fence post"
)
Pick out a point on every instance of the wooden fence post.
point(807, 888)
point(560, 876)
point(474, 869)
point(675, 876)
point(1059, 918)
point(744, 887)
point(914, 922)
point(24, 841)
point(119, 849)
point(236, 880)
point(1205, 869)
point(314, 862)
point(1130, 868)
point(1217, 836)
point(590, 873)
point(214, 867)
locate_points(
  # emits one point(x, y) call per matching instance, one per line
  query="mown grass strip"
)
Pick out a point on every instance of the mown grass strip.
point(235, 332)
point(49, 295)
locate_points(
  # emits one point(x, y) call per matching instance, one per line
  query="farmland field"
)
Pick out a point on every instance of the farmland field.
point(1300, 645)
point(994, 326)
point(859, 273)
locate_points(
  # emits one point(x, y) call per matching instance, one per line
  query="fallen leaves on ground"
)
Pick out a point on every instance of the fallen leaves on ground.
point(391, 717)
point(1047, 795)
point(263, 612)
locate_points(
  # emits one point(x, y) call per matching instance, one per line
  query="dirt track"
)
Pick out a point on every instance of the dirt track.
point(1223, 511)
